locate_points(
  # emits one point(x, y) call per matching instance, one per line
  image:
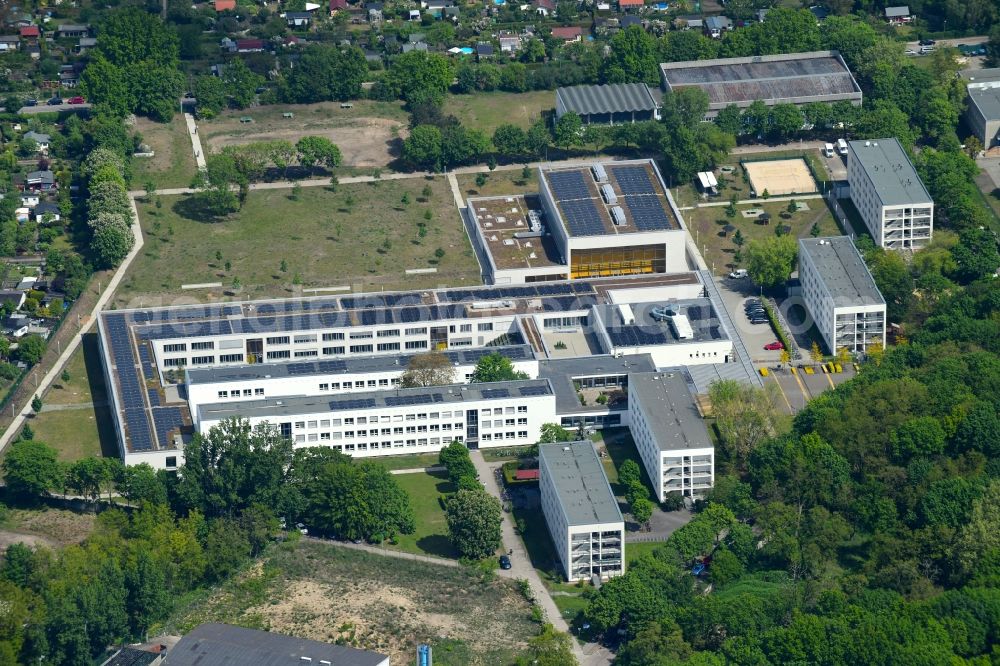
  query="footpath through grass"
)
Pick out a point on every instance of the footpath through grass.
point(363, 235)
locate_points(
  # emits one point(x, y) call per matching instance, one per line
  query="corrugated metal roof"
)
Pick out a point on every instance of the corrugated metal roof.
point(612, 98)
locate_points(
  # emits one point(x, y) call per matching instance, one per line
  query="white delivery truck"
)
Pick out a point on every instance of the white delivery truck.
point(842, 147)
point(828, 150)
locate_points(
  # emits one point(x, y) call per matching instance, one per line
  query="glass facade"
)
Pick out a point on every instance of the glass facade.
point(607, 262)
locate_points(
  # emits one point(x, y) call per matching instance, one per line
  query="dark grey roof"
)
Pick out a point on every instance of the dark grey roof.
point(44, 176)
point(46, 207)
point(452, 394)
point(562, 371)
point(482, 48)
point(718, 22)
point(670, 410)
point(225, 645)
point(349, 365)
point(987, 100)
point(646, 330)
point(818, 76)
point(129, 656)
point(580, 482)
point(893, 12)
point(842, 270)
point(37, 136)
point(611, 98)
point(891, 172)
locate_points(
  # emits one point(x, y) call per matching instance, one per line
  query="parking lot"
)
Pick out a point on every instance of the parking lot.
point(836, 165)
point(799, 387)
point(734, 294)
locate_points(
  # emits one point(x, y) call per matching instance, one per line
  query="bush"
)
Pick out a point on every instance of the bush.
point(674, 502)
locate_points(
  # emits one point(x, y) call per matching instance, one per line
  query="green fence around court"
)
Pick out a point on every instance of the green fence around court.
point(815, 168)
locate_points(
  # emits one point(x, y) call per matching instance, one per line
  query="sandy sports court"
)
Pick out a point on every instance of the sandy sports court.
point(780, 177)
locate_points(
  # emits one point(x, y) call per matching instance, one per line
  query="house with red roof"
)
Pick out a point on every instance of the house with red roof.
point(630, 4)
point(337, 5)
point(568, 34)
point(225, 5)
point(249, 45)
point(31, 33)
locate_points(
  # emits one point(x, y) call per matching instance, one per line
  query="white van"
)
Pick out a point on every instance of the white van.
point(828, 150)
point(842, 147)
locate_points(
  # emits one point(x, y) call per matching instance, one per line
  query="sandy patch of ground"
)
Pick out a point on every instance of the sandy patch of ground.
point(364, 142)
point(46, 527)
point(10, 538)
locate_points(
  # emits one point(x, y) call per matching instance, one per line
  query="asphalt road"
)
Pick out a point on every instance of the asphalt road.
point(45, 108)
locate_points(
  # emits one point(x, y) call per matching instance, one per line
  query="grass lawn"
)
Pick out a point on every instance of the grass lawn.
point(173, 164)
point(498, 183)
point(504, 454)
point(56, 527)
point(360, 236)
point(319, 591)
point(717, 248)
point(620, 447)
point(633, 551)
point(86, 380)
point(487, 111)
point(408, 461)
point(431, 535)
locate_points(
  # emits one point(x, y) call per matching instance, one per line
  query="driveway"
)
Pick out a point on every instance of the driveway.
point(734, 294)
point(589, 654)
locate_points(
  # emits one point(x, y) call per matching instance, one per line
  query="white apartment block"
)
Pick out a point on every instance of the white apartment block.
point(840, 294)
point(418, 420)
point(580, 511)
point(889, 195)
point(670, 434)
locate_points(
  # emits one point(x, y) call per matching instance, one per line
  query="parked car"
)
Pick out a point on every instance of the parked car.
point(758, 320)
point(911, 52)
point(303, 530)
point(739, 273)
point(777, 345)
point(504, 562)
point(31, 102)
point(77, 100)
point(55, 101)
point(927, 42)
point(924, 50)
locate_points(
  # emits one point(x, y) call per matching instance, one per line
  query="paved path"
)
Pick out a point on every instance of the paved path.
point(199, 154)
point(56, 370)
point(77, 405)
point(377, 550)
point(759, 201)
point(456, 191)
point(780, 148)
point(589, 654)
point(418, 470)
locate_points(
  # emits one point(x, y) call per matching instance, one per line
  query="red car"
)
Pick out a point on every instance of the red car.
point(77, 100)
point(774, 346)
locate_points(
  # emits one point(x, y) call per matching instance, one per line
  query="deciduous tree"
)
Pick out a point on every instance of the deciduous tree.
point(474, 518)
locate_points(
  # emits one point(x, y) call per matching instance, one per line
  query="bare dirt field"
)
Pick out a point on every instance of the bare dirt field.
point(368, 134)
point(45, 527)
point(319, 591)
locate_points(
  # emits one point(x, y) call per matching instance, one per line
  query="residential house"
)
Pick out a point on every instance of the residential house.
point(452, 12)
point(292, 40)
point(413, 15)
point(249, 45)
point(217, 69)
point(689, 23)
point(68, 76)
point(225, 5)
point(31, 33)
point(17, 324)
point(34, 51)
point(40, 180)
point(374, 10)
point(298, 19)
point(415, 46)
point(337, 5)
point(373, 57)
point(569, 33)
point(22, 214)
point(819, 12)
point(9, 43)
point(46, 210)
point(484, 51)
point(42, 140)
point(30, 199)
point(544, 7)
point(510, 43)
point(85, 44)
point(898, 15)
point(69, 30)
point(436, 8)
point(716, 25)
point(630, 20)
point(12, 298)
point(626, 5)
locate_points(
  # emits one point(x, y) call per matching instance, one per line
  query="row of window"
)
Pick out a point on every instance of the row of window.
point(376, 446)
point(235, 393)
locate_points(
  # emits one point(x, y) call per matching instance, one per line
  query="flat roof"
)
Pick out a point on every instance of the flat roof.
point(637, 188)
point(645, 329)
point(987, 100)
point(580, 483)
point(895, 181)
point(610, 98)
point(213, 644)
point(562, 371)
point(791, 77)
point(975, 77)
point(502, 222)
point(842, 270)
point(451, 394)
point(349, 365)
point(670, 410)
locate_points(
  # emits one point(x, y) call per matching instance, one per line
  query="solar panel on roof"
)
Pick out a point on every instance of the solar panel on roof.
point(419, 399)
point(568, 185)
point(648, 213)
point(633, 180)
point(582, 217)
point(495, 393)
point(331, 366)
point(154, 397)
point(167, 419)
point(354, 403)
point(534, 390)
